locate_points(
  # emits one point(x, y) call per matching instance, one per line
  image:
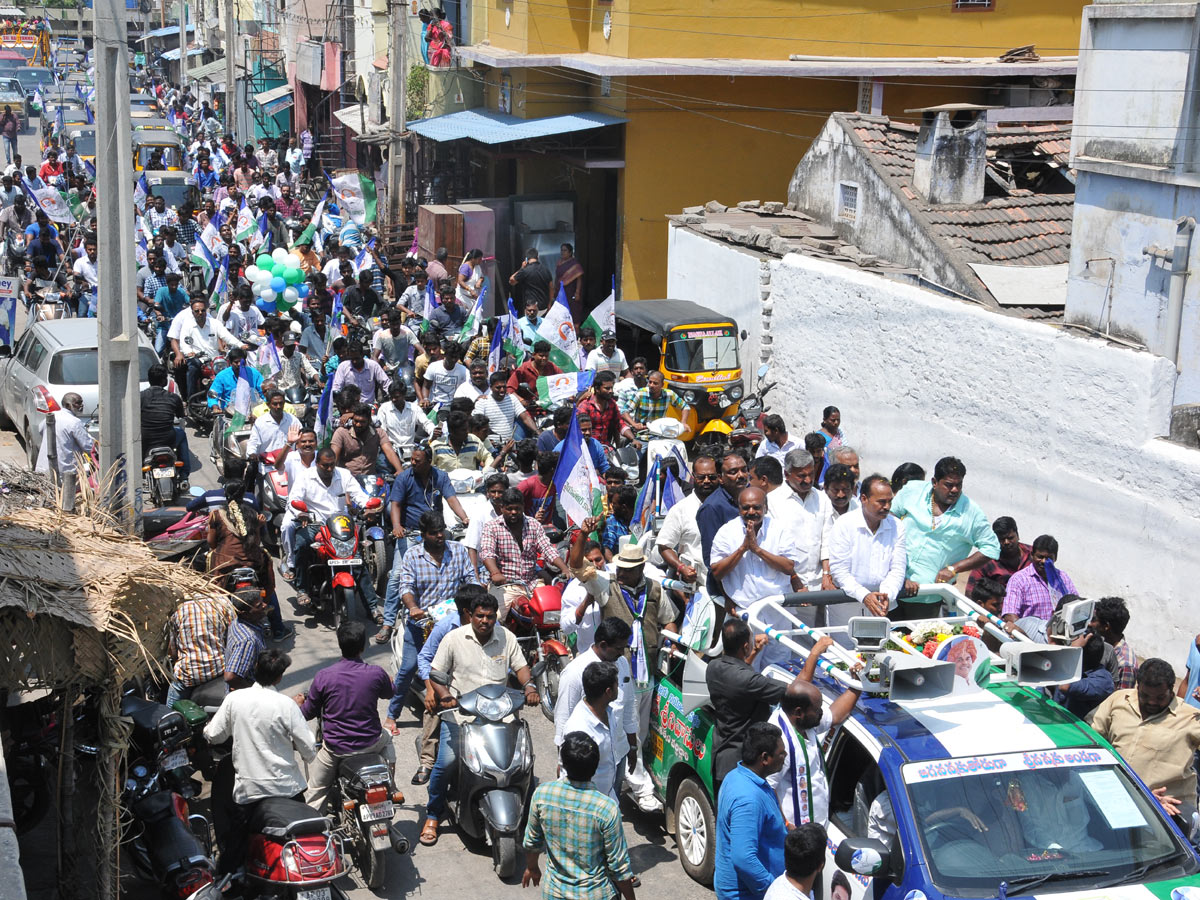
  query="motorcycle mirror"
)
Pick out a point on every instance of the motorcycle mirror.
point(372, 504)
point(300, 506)
point(196, 491)
point(763, 370)
point(5, 350)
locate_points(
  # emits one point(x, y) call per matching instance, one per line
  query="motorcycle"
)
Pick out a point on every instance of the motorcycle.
point(178, 538)
point(292, 851)
point(49, 306)
point(168, 845)
point(375, 545)
point(199, 414)
point(29, 723)
point(15, 245)
point(534, 618)
point(162, 474)
point(228, 443)
point(744, 428)
point(337, 561)
point(365, 800)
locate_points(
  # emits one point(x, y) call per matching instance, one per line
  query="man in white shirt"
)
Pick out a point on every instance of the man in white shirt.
point(195, 332)
point(754, 556)
point(268, 730)
point(240, 315)
point(328, 489)
point(476, 385)
point(801, 786)
point(612, 640)
point(494, 487)
point(296, 465)
point(85, 266)
point(803, 860)
point(445, 375)
point(71, 440)
point(867, 549)
point(404, 424)
point(580, 614)
point(594, 717)
point(812, 513)
point(776, 442)
point(607, 357)
point(277, 429)
point(503, 409)
point(677, 544)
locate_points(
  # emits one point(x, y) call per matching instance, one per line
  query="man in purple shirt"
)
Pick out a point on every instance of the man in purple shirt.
point(346, 696)
point(366, 373)
point(1037, 588)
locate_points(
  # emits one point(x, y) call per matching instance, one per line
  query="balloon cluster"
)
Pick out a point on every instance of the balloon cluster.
point(277, 281)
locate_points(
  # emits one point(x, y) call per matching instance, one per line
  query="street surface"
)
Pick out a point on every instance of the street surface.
point(452, 866)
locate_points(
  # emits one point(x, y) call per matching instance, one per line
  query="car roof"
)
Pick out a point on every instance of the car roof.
point(69, 334)
point(999, 718)
point(663, 315)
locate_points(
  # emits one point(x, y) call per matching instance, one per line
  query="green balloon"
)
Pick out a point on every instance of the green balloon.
point(282, 303)
point(264, 261)
point(292, 275)
point(277, 268)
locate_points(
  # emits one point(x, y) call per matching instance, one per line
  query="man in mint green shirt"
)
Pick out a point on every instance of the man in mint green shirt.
point(945, 532)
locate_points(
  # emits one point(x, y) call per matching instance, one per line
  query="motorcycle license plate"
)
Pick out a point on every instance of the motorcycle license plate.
point(321, 893)
point(176, 760)
point(375, 811)
point(355, 561)
point(164, 473)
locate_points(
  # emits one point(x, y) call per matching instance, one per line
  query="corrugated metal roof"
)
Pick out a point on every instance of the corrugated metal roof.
point(163, 32)
point(489, 127)
point(173, 54)
point(216, 68)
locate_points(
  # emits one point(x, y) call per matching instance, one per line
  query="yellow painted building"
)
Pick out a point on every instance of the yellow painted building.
point(719, 100)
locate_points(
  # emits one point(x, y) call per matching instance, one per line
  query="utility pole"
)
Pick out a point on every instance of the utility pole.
point(231, 43)
point(398, 114)
point(120, 402)
point(183, 44)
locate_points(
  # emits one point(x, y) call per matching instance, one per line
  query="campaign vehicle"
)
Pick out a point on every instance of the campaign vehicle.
point(955, 776)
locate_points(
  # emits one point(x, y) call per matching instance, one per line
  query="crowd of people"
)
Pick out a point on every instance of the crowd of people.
point(416, 389)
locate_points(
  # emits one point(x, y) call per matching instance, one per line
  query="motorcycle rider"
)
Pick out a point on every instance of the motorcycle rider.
point(276, 228)
point(402, 422)
point(367, 374)
point(346, 697)
point(362, 302)
point(468, 658)
point(296, 466)
point(294, 367)
point(41, 281)
point(240, 315)
point(13, 222)
point(86, 276)
point(357, 445)
point(327, 490)
point(509, 547)
point(194, 332)
point(274, 431)
point(224, 385)
point(160, 409)
point(392, 347)
point(268, 729)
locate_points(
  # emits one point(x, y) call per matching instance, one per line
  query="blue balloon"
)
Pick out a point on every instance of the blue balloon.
point(265, 307)
point(302, 289)
point(278, 285)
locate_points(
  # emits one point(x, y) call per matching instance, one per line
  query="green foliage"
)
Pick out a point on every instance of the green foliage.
point(418, 89)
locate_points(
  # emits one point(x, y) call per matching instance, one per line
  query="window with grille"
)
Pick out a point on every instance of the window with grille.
point(847, 202)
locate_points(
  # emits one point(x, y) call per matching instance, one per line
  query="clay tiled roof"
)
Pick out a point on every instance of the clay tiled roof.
point(1023, 228)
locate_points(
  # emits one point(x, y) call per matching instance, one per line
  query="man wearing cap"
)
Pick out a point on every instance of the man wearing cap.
point(608, 357)
point(634, 600)
point(294, 367)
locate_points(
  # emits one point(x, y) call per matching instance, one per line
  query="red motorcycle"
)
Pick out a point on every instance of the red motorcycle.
point(333, 575)
point(535, 618)
point(293, 852)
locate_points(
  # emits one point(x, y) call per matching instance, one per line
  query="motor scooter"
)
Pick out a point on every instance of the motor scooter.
point(493, 772)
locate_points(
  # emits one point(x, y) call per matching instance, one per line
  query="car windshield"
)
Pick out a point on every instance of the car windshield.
point(170, 156)
point(175, 194)
point(85, 143)
point(82, 366)
point(32, 78)
point(702, 349)
point(1033, 816)
point(10, 97)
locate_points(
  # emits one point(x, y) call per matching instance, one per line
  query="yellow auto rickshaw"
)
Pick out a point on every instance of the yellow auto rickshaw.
point(146, 144)
point(152, 125)
point(696, 349)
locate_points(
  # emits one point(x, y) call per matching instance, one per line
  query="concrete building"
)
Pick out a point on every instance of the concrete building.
point(712, 103)
point(1135, 151)
point(1058, 428)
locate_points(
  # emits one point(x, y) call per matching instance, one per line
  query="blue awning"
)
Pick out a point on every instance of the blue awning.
point(489, 127)
point(163, 32)
point(173, 54)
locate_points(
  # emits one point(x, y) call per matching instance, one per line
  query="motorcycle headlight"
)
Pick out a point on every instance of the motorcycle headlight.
point(475, 755)
point(736, 392)
point(523, 756)
point(343, 548)
point(495, 710)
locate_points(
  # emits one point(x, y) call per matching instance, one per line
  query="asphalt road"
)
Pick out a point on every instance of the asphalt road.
point(454, 866)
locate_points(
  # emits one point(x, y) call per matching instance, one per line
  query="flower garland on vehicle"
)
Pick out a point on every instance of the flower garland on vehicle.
point(926, 636)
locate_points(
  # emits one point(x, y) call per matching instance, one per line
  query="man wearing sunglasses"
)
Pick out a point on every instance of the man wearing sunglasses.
point(678, 542)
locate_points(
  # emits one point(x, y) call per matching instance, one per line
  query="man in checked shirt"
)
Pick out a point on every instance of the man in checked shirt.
point(509, 546)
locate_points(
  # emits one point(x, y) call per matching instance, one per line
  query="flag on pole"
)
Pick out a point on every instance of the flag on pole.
point(559, 331)
point(604, 317)
point(211, 235)
point(261, 237)
point(555, 389)
point(78, 209)
point(431, 303)
point(355, 195)
point(242, 395)
point(643, 511)
point(203, 257)
point(309, 234)
point(496, 349)
point(91, 117)
point(51, 202)
point(59, 121)
point(90, 169)
point(141, 190)
point(576, 481)
point(140, 251)
point(245, 223)
point(474, 317)
point(335, 315)
point(672, 491)
point(324, 411)
point(268, 358)
point(222, 284)
point(362, 260)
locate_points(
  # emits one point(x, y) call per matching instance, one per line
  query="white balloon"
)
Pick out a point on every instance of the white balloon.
point(293, 260)
point(291, 294)
point(279, 254)
point(268, 295)
point(263, 277)
point(252, 272)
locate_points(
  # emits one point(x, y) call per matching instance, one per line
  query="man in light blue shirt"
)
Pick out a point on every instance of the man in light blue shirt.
point(946, 534)
point(221, 391)
point(750, 825)
point(529, 323)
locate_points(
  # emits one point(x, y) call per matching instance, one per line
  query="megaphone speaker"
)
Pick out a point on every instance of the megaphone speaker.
point(1042, 665)
point(916, 678)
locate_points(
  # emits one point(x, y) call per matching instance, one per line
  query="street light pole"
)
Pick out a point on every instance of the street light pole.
point(183, 44)
point(398, 113)
point(120, 406)
point(231, 42)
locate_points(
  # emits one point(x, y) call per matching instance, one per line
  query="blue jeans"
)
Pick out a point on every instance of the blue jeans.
point(414, 640)
point(274, 617)
point(443, 770)
point(177, 691)
point(522, 432)
point(391, 599)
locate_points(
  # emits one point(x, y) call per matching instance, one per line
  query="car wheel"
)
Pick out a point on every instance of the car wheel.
point(695, 831)
point(31, 452)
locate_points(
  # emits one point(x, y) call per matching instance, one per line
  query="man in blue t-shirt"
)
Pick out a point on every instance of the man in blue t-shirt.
point(221, 391)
